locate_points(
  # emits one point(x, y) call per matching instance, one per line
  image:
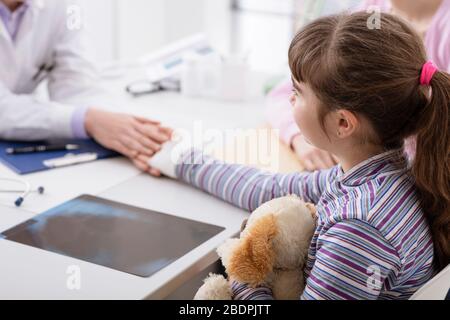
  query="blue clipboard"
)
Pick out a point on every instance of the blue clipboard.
point(34, 162)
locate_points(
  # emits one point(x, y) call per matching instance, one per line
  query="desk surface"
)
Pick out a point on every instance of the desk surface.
point(30, 273)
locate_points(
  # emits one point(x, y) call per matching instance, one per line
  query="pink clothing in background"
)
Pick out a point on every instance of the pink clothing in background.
point(437, 42)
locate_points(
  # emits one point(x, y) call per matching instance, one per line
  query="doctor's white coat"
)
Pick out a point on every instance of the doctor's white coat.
point(49, 38)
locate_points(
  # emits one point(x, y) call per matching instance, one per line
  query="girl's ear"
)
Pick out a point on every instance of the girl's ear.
point(253, 260)
point(346, 123)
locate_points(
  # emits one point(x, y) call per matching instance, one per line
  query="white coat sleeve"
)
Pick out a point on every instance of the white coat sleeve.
point(23, 117)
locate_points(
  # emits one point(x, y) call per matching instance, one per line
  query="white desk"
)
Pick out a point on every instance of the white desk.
point(30, 273)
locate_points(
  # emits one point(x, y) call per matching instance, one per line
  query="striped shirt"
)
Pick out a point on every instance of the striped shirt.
point(372, 240)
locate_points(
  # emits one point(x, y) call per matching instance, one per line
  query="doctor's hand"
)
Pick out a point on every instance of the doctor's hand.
point(311, 157)
point(127, 134)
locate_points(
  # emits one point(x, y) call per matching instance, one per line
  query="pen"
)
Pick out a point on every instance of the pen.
point(42, 148)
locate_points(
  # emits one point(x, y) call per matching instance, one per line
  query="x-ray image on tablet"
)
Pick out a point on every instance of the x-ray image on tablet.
point(114, 235)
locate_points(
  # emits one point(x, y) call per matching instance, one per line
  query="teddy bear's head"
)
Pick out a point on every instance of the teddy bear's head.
point(276, 236)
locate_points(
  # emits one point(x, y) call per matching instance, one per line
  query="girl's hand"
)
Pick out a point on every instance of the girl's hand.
point(163, 162)
point(166, 159)
point(141, 162)
point(311, 157)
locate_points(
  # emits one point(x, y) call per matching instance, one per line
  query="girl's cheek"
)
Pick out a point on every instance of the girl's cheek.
point(297, 115)
point(298, 112)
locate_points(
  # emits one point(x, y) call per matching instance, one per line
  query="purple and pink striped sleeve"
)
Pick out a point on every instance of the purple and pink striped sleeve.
point(248, 187)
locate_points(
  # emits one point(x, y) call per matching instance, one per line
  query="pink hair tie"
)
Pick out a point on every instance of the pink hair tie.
point(428, 71)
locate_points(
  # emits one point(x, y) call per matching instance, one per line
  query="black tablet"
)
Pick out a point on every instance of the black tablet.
point(115, 235)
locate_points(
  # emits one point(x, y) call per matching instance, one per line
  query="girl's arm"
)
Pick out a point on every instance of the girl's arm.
point(248, 187)
point(352, 261)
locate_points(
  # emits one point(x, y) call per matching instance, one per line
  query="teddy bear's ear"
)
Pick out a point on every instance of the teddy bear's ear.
point(227, 249)
point(253, 259)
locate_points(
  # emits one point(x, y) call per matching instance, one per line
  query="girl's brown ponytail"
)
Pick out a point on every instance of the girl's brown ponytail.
point(431, 166)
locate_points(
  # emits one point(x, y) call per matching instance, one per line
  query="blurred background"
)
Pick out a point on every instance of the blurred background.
point(260, 29)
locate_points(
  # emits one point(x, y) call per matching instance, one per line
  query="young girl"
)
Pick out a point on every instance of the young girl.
point(383, 227)
point(428, 17)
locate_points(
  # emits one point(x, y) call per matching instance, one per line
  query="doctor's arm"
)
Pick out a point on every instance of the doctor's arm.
point(74, 81)
point(24, 117)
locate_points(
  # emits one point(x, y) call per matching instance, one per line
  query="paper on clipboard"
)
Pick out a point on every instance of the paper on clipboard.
point(70, 159)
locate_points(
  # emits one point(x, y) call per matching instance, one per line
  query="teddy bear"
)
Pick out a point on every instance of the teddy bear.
point(271, 251)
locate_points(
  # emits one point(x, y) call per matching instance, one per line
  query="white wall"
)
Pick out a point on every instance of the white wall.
point(128, 29)
point(140, 27)
point(263, 38)
point(99, 22)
